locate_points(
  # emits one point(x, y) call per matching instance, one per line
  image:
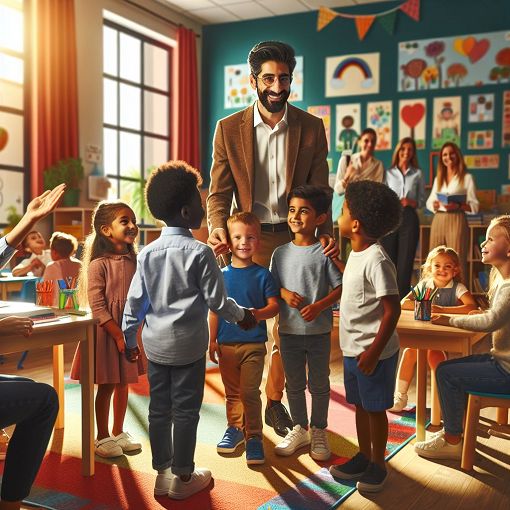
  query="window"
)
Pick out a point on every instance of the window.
point(136, 106)
point(13, 121)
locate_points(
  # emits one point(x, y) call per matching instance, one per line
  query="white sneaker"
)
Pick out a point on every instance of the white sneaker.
point(320, 445)
point(107, 448)
point(199, 480)
point(163, 481)
point(399, 402)
point(295, 439)
point(438, 448)
point(126, 442)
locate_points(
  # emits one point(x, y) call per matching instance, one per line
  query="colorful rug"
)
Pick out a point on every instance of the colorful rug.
point(292, 483)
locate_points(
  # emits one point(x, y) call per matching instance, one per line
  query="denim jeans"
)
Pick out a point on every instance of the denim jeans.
point(176, 394)
point(297, 352)
point(33, 408)
point(479, 372)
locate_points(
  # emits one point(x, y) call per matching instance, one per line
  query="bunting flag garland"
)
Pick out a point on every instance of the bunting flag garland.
point(363, 22)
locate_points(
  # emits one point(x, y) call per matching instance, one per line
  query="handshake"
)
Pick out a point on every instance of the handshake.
point(248, 321)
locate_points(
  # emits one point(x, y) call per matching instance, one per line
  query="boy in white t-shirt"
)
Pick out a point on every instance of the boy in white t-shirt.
point(34, 242)
point(369, 312)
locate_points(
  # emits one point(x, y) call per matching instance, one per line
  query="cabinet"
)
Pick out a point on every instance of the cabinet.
point(76, 221)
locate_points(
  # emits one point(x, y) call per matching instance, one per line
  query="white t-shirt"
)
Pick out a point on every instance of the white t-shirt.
point(44, 257)
point(369, 275)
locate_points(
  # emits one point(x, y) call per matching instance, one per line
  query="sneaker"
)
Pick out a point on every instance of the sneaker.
point(320, 445)
point(438, 448)
point(399, 402)
point(232, 438)
point(4, 443)
point(107, 448)
point(295, 439)
point(254, 451)
point(278, 417)
point(126, 442)
point(352, 469)
point(200, 479)
point(373, 479)
point(163, 481)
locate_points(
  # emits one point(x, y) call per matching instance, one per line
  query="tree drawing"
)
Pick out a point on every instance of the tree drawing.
point(434, 50)
point(502, 70)
point(456, 72)
point(413, 69)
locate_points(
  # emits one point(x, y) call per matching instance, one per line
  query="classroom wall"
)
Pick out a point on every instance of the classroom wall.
point(228, 44)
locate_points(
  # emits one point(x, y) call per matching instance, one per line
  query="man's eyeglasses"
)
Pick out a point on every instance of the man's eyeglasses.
point(269, 79)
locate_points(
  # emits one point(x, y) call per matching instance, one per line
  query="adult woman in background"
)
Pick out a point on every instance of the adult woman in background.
point(449, 226)
point(406, 179)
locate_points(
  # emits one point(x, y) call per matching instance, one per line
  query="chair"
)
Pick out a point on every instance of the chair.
point(477, 401)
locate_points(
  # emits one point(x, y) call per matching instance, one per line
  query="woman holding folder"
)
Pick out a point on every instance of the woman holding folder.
point(453, 194)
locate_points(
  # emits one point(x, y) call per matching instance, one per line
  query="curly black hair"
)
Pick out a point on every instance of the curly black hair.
point(319, 196)
point(271, 50)
point(170, 187)
point(375, 205)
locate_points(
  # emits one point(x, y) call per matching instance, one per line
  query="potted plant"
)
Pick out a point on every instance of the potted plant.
point(70, 171)
point(13, 218)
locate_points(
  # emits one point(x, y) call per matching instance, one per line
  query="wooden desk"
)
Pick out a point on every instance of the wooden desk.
point(11, 283)
point(55, 334)
point(423, 335)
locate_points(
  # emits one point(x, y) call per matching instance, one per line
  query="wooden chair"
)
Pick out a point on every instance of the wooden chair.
point(477, 401)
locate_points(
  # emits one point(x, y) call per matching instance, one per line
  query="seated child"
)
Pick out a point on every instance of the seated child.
point(35, 244)
point(177, 280)
point(442, 271)
point(369, 312)
point(240, 354)
point(309, 285)
point(64, 265)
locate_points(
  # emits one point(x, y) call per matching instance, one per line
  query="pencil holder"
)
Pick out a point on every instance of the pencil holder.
point(422, 310)
point(44, 297)
point(67, 298)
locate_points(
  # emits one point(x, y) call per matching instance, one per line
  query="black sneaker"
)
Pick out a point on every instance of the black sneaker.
point(352, 469)
point(278, 417)
point(373, 480)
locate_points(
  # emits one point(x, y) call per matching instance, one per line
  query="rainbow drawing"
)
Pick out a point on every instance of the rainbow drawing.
point(357, 63)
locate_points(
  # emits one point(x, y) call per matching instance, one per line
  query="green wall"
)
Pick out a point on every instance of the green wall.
point(227, 44)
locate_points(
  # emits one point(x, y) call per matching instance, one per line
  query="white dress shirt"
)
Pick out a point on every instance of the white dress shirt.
point(455, 188)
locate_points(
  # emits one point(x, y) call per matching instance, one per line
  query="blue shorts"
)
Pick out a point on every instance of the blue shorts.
point(372, 392)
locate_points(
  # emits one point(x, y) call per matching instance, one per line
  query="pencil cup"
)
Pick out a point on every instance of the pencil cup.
point(422, 310)
point(44, 297)
point(67, 299)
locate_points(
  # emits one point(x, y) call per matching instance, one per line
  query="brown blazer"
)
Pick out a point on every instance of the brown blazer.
point(232, 172)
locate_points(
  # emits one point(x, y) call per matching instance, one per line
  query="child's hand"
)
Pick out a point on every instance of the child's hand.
point(440, 320)
point(367, 362)
point(293, 299)
point(248, 321)
point(476, 312)
point(36, 264)
point(214, 351)
point(121, 344)
point(255, 313)
point(132, 354)
point(437, 308)
point(309, 312)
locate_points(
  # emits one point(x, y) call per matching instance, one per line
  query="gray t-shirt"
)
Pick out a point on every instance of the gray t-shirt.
point(305, 270)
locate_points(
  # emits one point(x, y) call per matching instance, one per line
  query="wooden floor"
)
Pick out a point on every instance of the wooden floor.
point(414, 483)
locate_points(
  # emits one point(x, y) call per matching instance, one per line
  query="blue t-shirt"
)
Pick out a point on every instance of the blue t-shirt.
point(249, 287)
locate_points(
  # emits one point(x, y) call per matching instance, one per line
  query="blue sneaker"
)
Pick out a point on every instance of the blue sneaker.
point(232, 438)
point(254, 451)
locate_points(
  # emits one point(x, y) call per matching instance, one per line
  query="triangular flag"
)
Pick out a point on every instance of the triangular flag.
point(363, 24)
point(388, 21)
point(412, 9)
point(326, 16)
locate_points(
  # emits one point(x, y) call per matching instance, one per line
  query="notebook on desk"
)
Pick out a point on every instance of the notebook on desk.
point(21, 309)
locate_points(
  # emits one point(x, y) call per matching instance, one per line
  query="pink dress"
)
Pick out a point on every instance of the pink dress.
point(109, 278)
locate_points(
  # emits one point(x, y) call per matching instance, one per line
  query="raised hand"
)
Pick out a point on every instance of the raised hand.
point(42, 205)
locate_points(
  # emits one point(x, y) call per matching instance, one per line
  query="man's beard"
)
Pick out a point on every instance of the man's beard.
point(273, 106)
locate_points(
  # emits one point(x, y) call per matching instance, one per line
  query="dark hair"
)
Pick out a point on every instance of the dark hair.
point(271, 50)
point(375, 205)
point(64, 244)
point(369, 131)
point(320, 197)
point(170, 187)
point(25, 239)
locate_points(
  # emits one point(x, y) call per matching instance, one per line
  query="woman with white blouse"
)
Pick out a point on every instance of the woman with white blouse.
point(449, 225)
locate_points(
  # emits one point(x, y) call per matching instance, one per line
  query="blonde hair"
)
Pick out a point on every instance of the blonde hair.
point(247, 218)
point(426, 268)
point(97, 244)
point(64, 244)
point(495, 277)
point(441, 168)
point(395, 158)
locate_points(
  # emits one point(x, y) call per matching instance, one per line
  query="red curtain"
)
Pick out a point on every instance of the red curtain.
point(188, 137)
point(54, 87)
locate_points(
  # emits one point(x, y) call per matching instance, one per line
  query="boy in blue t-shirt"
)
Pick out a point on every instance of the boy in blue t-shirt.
point(241, 353)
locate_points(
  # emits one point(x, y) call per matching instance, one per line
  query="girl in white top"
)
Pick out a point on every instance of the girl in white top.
point(360, 166)
point(483, 372)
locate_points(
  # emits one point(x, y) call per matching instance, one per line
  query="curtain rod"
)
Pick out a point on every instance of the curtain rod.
point(166, 20)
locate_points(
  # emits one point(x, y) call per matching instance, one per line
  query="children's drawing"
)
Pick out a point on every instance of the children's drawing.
point(11, 193)
point(481, 139)
point(449, 62)
point(348, 126)
point(324, 113)
point(238, 91)
point(481, 108)
point(505, 128)
point(349, 75)
point(379, 119)
point(446, 121)
point(296, 88)
point(481, 161)
point(412, 120)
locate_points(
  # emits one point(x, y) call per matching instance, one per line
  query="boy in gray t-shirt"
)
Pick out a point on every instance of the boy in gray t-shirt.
point(305, 278)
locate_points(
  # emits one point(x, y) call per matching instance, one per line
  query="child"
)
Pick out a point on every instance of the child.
point(177, 280)
point(109, 262)
point(309, 285)
point(241, 353)
point(442, 271)
point(483, 372)
point(369, 311)
point(62, 248)
point(35, 244)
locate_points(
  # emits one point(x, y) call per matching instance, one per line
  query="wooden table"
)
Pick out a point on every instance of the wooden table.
point(9, 283)
point(423, 335)
point(55, 334)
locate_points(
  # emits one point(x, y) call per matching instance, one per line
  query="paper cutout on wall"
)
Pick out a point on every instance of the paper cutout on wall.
point(348, 126)
point(412, 120)
point(505, 128)
point(298, 78)
point(449, 62)
point(11, 193)
point(481, 108)
point(324, 113)
point(446, 126)
point(349, 75)
point(379, 118)
point(481, 139)
point(481, 161)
